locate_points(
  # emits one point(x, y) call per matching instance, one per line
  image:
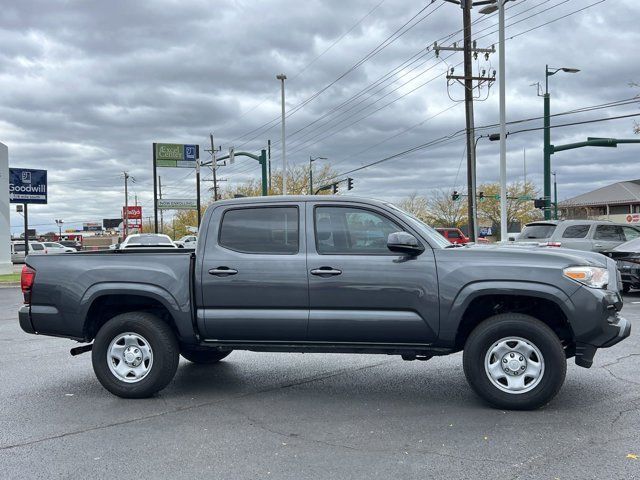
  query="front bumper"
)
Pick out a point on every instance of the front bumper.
point(608, 327)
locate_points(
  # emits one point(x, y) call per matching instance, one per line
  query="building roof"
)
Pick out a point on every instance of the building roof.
point(614, 194)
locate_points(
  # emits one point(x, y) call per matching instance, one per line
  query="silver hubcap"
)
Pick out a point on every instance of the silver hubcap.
point(129, 357)
point(514, 365)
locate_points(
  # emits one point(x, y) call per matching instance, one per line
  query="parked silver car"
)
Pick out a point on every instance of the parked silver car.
point(589, 235)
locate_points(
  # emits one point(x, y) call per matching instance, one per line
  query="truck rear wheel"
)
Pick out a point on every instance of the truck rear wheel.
point(203, 356)
point(515, 362)
point(135, 355)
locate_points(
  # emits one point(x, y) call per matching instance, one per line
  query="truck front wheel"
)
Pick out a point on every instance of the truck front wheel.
point(135, 355)
point(514, 362)
point(203, 356)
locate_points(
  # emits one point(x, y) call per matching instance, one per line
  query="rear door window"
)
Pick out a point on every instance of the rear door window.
point(537, 231)
point(576, 231)
point(270, 230)
point(36, 246)
point(611, 233)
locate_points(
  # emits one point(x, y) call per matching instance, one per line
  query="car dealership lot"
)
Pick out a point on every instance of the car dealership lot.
point(261, 415)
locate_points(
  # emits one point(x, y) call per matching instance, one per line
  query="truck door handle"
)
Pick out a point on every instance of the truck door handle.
point(325, 271)
point(222, 271)
point(597, 245)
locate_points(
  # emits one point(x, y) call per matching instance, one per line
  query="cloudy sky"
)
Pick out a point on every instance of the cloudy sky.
point(87, 86)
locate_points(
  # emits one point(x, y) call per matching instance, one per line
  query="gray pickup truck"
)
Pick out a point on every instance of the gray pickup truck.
point(336, 275)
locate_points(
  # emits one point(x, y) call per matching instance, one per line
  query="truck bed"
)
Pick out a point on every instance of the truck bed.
point(67, 284)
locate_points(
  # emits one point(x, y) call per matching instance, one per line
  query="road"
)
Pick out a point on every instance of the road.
point(299, 416)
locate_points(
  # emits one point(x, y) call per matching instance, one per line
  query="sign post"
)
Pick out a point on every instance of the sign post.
point(5, 226)
point(174, 155)
point(26, 186)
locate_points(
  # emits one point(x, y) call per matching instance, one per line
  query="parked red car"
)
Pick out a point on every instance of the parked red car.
point(455, 235)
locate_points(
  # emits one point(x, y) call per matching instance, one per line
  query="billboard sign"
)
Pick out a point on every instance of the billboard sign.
point(111, 223)
point(92, 227)
point(177, 204)
point(176, 155)
point(133, 216)
point(27, 185)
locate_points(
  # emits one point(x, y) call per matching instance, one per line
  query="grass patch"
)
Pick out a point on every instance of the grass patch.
point(11, 277)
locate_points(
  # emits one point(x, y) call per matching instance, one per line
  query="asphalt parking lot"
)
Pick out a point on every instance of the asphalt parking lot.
point(298, 416)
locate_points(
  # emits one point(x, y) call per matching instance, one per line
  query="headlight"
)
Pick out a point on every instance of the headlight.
point(595, 277)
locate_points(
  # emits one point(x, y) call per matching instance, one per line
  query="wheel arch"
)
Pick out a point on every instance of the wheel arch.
point(477, 302)
point(104, 301)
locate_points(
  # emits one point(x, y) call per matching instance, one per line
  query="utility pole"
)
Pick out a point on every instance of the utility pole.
point(125, 218)
point(160, 197)
point(469, 50)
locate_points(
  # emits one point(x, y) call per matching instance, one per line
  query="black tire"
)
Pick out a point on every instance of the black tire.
point(498, 327)
point(626, 288)
point(164, 359)
point(203, 356)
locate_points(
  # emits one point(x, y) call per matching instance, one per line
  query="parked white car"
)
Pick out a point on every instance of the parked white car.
point(188, 241)
point(55, 247)
point(146, 240)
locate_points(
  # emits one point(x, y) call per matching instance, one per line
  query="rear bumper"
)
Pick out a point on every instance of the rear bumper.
point(24, 317)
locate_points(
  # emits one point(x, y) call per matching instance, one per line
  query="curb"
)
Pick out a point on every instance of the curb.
point(9, 284)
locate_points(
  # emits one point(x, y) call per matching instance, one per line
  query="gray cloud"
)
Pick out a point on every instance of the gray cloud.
point(86, 87)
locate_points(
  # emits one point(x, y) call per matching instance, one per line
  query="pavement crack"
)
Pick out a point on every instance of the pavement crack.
point(187, 407)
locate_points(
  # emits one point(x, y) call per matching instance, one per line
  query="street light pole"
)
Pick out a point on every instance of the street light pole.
point(555, 197)
point(282, 77)
point(311, 160)
point(503, 126)
point(547, 136)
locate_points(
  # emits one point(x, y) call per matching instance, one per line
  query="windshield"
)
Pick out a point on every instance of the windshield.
point(423, 228)
point(631, 246)
point(537, 231)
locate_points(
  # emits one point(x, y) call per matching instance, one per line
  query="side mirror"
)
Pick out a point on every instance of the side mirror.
point(403, 242)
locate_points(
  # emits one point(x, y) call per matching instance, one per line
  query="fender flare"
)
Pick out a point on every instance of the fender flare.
point(180, 313)
point(472, 291)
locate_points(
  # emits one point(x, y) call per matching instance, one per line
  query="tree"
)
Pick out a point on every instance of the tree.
point(297, 182)
point(518, 209)
point(438, 209)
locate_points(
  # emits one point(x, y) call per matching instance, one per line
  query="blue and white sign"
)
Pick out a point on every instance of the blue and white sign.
point(190, 152)
point(27, 185)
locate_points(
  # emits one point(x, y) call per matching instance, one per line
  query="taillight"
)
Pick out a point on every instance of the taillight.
point(553, 244)
point(26, 282)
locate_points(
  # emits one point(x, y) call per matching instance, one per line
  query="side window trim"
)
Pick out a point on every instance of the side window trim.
point(254, 207)
point(354, 207)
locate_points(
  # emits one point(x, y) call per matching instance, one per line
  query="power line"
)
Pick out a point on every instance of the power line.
point(459, 132)
point(380, 47)
point(316, 58)
point(299, 145)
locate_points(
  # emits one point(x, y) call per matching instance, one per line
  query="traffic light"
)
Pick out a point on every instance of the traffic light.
point(455, 195)
point(349, 183)
point(539, 203)
point(481, 196)
point(335, 188)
